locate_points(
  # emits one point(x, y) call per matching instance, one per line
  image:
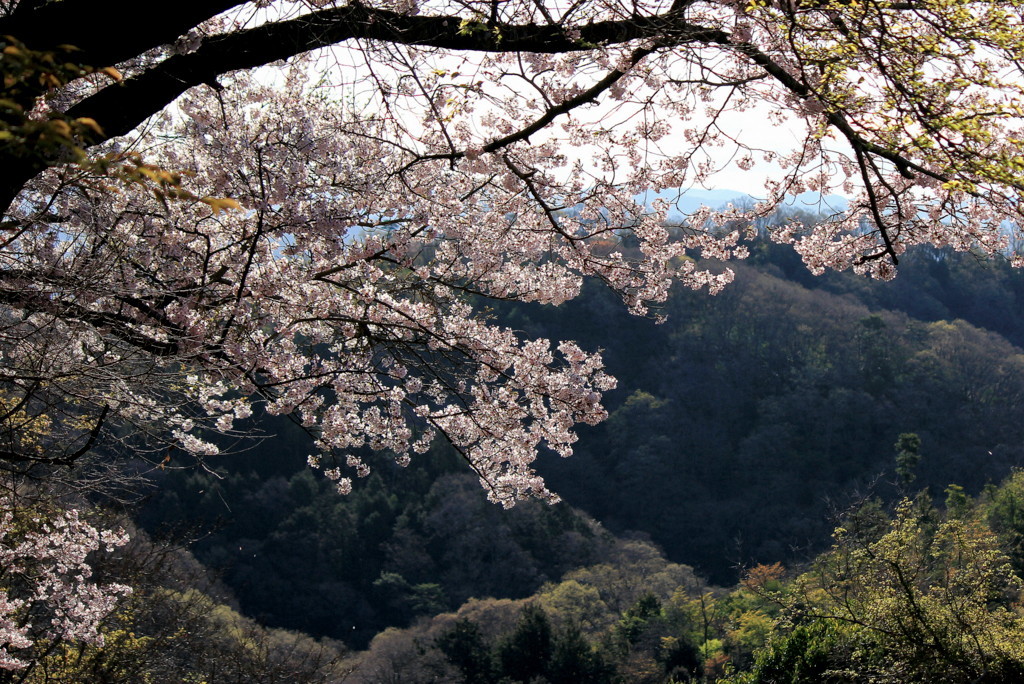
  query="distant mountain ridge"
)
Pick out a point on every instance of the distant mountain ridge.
point(685, 202)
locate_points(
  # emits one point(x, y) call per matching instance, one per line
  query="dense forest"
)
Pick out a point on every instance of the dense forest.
point(818, 444)
point(746, 419)
point(910, 592)
point(743, 428)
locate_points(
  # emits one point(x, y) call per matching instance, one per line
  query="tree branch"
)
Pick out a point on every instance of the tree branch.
point(121, 107)
point(87, 25)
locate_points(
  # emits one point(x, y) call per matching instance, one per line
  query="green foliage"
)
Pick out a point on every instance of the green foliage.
point(572, 602)
point(787, 383)
point(958, 504)
point(806, 655)
point(124, 657)
point(1003, 508)
point(406, 543)
point(575, 661)
point(526, 653)
point(33, 134)
point(466, 649)
point(533, 651)
point(404, 599)
point(750, 630)
point(928, 600)
point(30, 74)
point(908, 455)
point(904, 595)
point(636, 620)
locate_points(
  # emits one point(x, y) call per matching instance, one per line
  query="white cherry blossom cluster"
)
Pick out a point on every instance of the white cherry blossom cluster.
point(46, 591)
point(342, 292)
point(352, 231)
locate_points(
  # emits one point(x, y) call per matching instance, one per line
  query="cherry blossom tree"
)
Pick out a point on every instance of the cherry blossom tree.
point(195, 227)
point(47, 595)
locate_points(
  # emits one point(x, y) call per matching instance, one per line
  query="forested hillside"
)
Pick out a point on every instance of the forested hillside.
point(405, 543)
point(741, 427)
point(745, 428)
point(911, 592)
point(745, 418)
